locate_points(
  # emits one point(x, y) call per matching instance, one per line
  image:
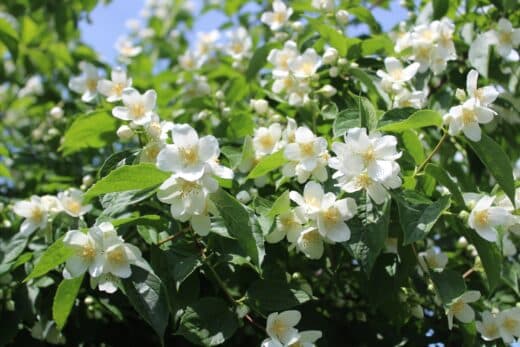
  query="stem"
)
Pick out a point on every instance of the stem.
point(432, 153)
point(469, 272)
point(170, 238)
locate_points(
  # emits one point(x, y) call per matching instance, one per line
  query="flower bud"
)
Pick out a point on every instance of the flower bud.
point(333, 72)
point(297, 26)
point(56, 112)
point(125, 133)
point(243, 196)
point(226, 111)
point(342, 61)
point(462, 242)
point(87, 180)
point(10, 306)
point(460, 95)
point(260, 106)
point(219, 95)
point(89, 300)
point(328, 91)
point(330, 56)
point(342, 17)
point(154, 130)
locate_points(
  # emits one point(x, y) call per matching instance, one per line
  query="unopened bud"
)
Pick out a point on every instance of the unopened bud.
point(243, 196)
point(87, 180)
point(462, 242)
point(342, 61)
point(328, 91)
point(260, 106)
point(333, 72)
point(460, 95)
point(10, 306)
point(56, 112)
point(330, 56)
point(219, 95)
point(154, 130)
point(125, 133)
point(342, 17)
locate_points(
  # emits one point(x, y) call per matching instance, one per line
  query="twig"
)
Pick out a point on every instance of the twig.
point(170, 238)
point(432, 153)
point(469, 272)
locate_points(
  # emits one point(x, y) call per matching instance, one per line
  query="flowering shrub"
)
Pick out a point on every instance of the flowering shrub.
point(276, 182)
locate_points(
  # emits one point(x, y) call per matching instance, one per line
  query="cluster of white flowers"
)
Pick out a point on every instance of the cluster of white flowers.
point(103, 253)
point(474, 110)
point(504, 37)
point(367, 162)
point(193, 162)
point(504, 324)
point(282, 332)
point(277, 18)
point(431, 44)
point(38, 210)
point(395, 81)
point(293, 72)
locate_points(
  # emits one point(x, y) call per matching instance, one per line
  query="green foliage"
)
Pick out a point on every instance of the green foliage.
point(56, 254)
point(64, 300)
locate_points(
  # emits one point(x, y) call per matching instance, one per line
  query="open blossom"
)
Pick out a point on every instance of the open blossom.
point(138, 108)
point(113, 89)
point(72, 202)
point(35, 211)
point(281, 58)
point(484, 218)
point(509, 324)
point(488, 327)
point(305, 338)
point(506, 38)
point(308, 156)
point(189, 200)
point(483, 96)
point(366, 162)
point(266, 140)
point(467, 117)
point(395, 76)
point(460, 309)
point(405, 98)
point(240, 43)
point(288, 224)
point(206, 42)
point(126, 48)
point(332, 216)
point(305, 65)
point(432, 259)
point(102, 253)
point(311, 199)
point(190, 157)
point(278, 17)
point(86, 83)
point(281, 326)
point(189, 60)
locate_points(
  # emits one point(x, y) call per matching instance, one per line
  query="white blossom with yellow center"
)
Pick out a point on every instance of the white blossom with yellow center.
point(86, 83)
point(138, 108)
point(113, 89)
point(72, 202)
point(509, 324)
point(267, 140)
point(395, 76)
point(484, 218)
point(280, 326)
point(277, 18)
point(488, 327)
point(460, 309)
point(36, 212)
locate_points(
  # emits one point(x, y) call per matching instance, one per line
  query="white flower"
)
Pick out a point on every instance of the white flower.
point(113, 89)
point(72, 202)
point(307, 151)
point(150, 152)
point(197, 87)
point(311, 199)
point(508, 246)
point(119, 255)
point(460, 309)
point(86, 83)
point(328, 91)
point(509, 324)
point(485, 95)
point(305, 65)
point(484, 218)
point(445, 45)
point(330, 56)
point(332, 216)
point(56, 112)
point(126, 48)
point(190, 61)
point(266, 140)
point(395, 75)
point(88, 253)
point(405, 98)
point(467, 117)
point(240, 43)
point(488, 327)
point(432, 259)
point(243, 196)
point(206, 44)
point(288, 224)
point(190, 157)
point(324, 5)
point(278, 17)
point(124, 132)
point(506, 38)
point(281, 58)
point(36, 214)
point(139, 108)
point(305, 338)
point(289, 133)
point(310, 243)
point(280, 326)
point(157, 129)
point(189, 200)
point(34, 85)
point(261, 106)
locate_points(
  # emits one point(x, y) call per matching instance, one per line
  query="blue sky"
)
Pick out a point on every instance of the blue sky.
point(108, 22)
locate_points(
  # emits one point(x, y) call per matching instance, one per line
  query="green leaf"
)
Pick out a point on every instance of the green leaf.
point(93, 130)
point(393, 120)
point(258, 60)
point(378, 44)
point(497, 162)
point(64, 300)
point(112, 162)
point(444, 178)
point(9, 37)
point(346, 119)
point(333, 37)
point(241, 225)
point(273, 294)
point(147, 295)
point(208, 322)
point(281, 205)
point(367, 17)
point(56, 254)
point(449, 284)
point(268, 164)
point(417, 217)
point(369, 239)
point(414, 146)
point(490, 256)
point(128, 177)
point(29, 30)
point(440, 8)
point(510, 274)
point(367, 113)
point(4, 171)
